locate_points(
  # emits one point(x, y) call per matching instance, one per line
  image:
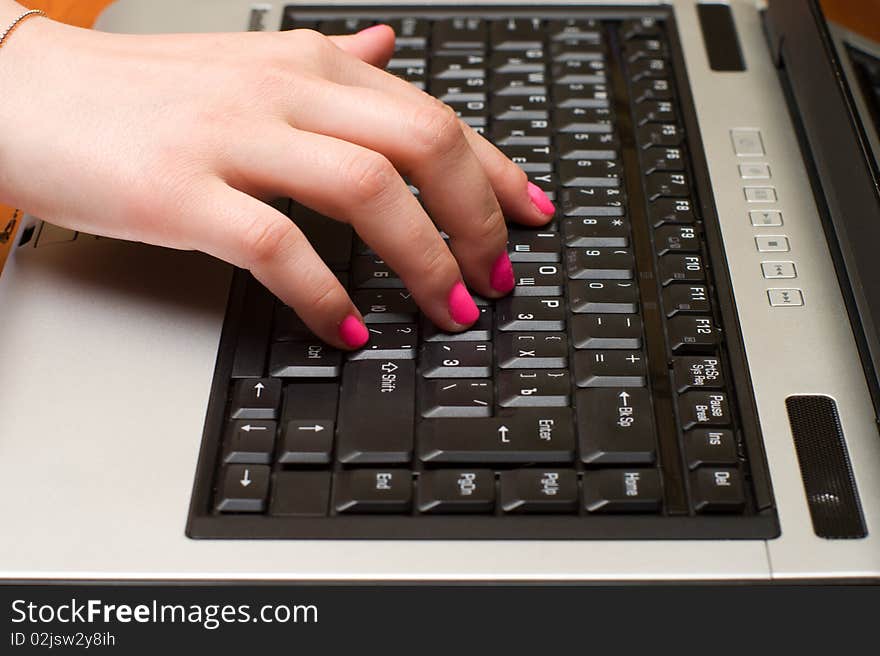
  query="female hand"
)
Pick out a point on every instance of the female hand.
point(173, 139)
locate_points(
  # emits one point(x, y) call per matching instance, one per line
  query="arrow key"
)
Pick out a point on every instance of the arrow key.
point(307, 442)
point(244, 489)
point(250, 442)
point(256, 398)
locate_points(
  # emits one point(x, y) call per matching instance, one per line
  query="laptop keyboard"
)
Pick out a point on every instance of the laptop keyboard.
point(604, 398)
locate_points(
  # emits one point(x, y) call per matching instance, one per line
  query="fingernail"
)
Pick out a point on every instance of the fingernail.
point(353, 332)
point(501, 277)
point(539, 199)
point(462, 308)
point(371, 28)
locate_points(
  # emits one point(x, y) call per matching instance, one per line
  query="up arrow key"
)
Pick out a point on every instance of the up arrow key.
point(256, 399)
point(258, 388)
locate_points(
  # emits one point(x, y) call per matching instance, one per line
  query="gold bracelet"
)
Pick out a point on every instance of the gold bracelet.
point(17, 22)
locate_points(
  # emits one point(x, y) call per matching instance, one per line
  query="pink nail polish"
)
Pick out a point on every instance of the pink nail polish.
point(462, 308)
point(501, 277)
point(353, 332)
point(539, 199)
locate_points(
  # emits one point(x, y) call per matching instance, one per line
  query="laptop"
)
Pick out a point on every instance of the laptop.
point(682, 387)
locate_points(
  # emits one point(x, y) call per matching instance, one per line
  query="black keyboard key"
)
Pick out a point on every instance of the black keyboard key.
point(710, 446)
point(531, 159)
point(530, 246)
point(534, 388)
point(697, 373)
point(575, 29)
point(654, 111)
point(332, 240)
point(717, 490)
point(653, 68)
point(460, 90)
point(520, 133)
point(304, 360)
point(516, 34)
point(520, 436)
point(372, 491)
point(666, 185)
point(537, 279)
point(389, 341)
point(410, 32)
point(288, 327)
point(518, 63)
point(527, 313)
point(369, 272)
point(583, 119)
point(622, 491)
point(680, 268)
point(457, 398)
point(256, 398)
point(611, 368)
point(592, 201)
point(677, 239)
point(386, 306)
point(252, 345)
point(615, 426)
point(314, 401)
point(480, 330)
point(300, 494)
point(600, 263)
point(376, 412)
point(562, 51)
point(456, 491)
point(603, 296)
point(539, 491)
point(662, 159)
point(578, 72)
point(686, 299)
point(244, 489)
point(651, 89)
point(458, 67)
point(343, 26)
point(589, 173)
point(607, 231)
point(250, 441)
point(691, 334)
point(646, 27)
point(519, 84)
point(698, 409)
point(644, 49)
point(606, 331)
point(587, 145)
point(566, 96)
point(659, 134)
point(671, 210)
point(306, 442)
point(459, 33)
point(532, 350)
point(456, 360)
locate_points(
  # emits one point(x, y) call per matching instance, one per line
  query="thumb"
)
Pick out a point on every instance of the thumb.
point(374, 45)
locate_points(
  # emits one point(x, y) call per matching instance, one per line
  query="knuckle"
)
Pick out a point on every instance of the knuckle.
point(436, 130)
point(436, 262)
point(488, 228)
point(369, 175)
point(264, 241)
point(325, 298)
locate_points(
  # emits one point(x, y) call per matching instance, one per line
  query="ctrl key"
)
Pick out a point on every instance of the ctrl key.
point(622, 491)
point(244, 489)
point(372, 491)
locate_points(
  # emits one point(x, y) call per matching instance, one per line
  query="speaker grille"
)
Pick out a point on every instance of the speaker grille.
point(825, 467)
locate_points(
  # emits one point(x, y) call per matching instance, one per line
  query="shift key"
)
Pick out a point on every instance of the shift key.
point(376, 412)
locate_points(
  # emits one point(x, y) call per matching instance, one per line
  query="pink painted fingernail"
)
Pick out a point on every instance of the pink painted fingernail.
point(539, 199)
point(462, 308)
point(501, 277)
point(353, 332)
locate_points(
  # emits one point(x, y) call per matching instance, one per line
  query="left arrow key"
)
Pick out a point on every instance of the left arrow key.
point(244, 489)
point(249, 441)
